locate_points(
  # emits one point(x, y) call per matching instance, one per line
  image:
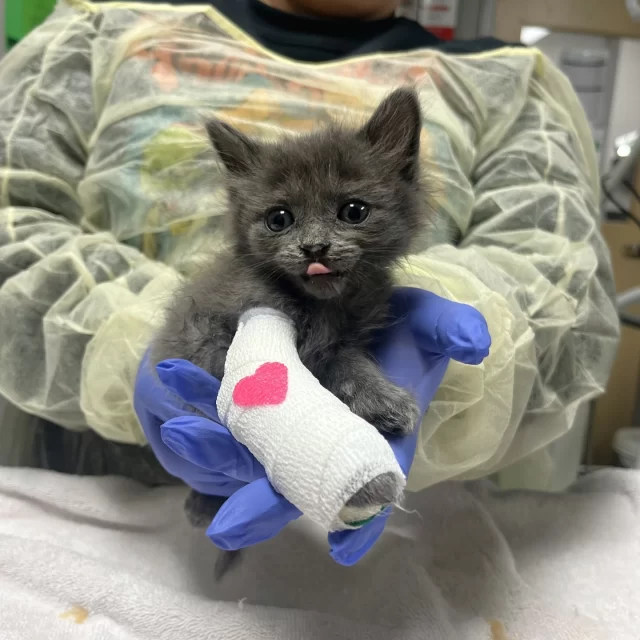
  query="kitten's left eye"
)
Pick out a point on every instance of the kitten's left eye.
point(354, 212)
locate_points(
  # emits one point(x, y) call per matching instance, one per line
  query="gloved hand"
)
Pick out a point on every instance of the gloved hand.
point(413, 352)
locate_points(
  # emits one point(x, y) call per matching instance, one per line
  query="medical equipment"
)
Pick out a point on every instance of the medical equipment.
point(315, 451)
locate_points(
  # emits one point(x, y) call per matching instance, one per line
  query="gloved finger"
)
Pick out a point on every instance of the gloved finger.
point(152, 399)
point(443, 326)
point(202, 480)
point(427, 387)
point(253, 514)
point(213, 484)
point(463, 334)
point(403, 362)
point(348, 547)
point(211, 446)
point(155, 404)
point(191, 384)
point(404, 449)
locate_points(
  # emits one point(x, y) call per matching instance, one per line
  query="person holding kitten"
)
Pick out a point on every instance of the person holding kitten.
point(329, 181)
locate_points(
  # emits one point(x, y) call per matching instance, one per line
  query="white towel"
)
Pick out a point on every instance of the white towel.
point(473, 564)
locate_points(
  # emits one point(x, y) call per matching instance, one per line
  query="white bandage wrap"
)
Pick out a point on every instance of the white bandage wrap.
point(315, 451)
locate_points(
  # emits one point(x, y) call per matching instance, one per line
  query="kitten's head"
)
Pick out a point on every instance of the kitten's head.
point(330, 209)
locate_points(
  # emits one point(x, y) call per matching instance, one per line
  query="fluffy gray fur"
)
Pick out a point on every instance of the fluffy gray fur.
point(313, 177)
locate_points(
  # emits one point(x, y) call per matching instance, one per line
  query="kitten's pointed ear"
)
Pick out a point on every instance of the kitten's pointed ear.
point(394, 130)
point(238, 152)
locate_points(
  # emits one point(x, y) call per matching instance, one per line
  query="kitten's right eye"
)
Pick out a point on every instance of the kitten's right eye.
point(278, 220)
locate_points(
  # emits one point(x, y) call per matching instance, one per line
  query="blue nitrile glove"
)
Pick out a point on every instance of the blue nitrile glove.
point(414, 352)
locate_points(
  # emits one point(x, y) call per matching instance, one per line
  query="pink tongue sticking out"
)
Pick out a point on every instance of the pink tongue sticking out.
point(317, 269)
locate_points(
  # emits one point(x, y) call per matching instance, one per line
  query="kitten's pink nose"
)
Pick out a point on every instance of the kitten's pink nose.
point(317, 269)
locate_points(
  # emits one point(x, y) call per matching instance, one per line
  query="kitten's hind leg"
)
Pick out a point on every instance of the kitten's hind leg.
point(200, 510)
point(226, 561)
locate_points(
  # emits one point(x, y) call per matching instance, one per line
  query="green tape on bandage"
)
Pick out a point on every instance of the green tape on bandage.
point(360, 523)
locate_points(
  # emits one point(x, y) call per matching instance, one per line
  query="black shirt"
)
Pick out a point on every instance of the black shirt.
point(321, 40)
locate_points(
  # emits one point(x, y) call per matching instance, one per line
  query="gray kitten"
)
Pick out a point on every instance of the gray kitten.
point(317, 223)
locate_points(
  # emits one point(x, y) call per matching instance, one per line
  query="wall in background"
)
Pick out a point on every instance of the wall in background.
point(609, 19)
point(474, 18)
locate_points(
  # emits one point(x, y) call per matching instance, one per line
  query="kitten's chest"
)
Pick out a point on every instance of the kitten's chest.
point(322, 332)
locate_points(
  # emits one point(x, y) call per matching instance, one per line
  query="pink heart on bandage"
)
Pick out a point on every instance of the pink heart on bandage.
point(267, 386)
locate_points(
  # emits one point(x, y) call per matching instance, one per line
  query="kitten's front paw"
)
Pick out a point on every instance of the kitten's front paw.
point(388, 408)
